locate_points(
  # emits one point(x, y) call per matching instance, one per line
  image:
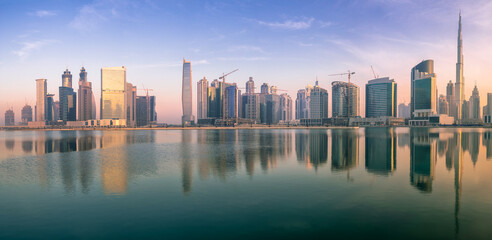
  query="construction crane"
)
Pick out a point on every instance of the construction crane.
point(223, 92)
point(349, 73)
point(373, 73)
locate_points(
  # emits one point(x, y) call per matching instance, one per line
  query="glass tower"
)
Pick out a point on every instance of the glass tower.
point(187, 97)
point(381, 98)
point(113, 96)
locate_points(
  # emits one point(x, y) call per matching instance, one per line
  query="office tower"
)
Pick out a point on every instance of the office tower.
point(231, 101)
point(265, 89)
point(475, 104)
point(50, 113)
point(67, 98)
point(186, 97)
point(460, 79)
point(131, 96)
point(380, 150)
point(142, 110)
point(9, 117)
point(201, 98)
point(251, 106)
point(488, 110)
point(85, 97)
point(113, 96)
point(153, 112)
point(285, 107)
point(56, 110)
point(381, 98)
point(345, 99)
point(443, 105)
point(41, 91)
point(302, 103)
point(26, 114)
point(465, 110)
point(423, 90)
point(250, 86)
point(67, 79)
point(403, 110)
point(239, 104)
point(214, 101)
point(318, 103)
point(450, 99)
point(272, 109)
point(423, 154)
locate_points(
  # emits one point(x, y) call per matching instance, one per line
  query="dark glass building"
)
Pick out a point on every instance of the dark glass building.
point(381, 98)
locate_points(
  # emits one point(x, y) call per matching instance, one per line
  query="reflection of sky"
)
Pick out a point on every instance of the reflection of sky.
point(262, 39)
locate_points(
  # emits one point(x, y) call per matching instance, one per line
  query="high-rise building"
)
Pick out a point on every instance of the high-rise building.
point(231, 101)
point(67, 79)
point(186, 97)
point(465, 110)
point(271, 109)
point(423, 90)
point(251, 106)
point(142, 104)
point(381, 95)
point(265, 89)
point(443, 105)
point(285, 107)
point(250, 86)
point(345, 99)
point(131, 98)
point(113, 96)
point(9, 117)
point(86, 97)
point(489, 104)
point(153, 112)
point(50, 108)
point(460, 79)
point(214, 101)
point(67, 98)
point(318, 103)
point(302, 103)
point(56, 110)
point(201, 98)
point(26, 114)
point(450, 99)
point(475, 104)
point(403, 110)
point(41, 91)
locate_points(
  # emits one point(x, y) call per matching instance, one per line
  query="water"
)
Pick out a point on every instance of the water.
point(243, 184)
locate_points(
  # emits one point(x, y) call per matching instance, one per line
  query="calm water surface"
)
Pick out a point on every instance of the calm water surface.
point(244, 184)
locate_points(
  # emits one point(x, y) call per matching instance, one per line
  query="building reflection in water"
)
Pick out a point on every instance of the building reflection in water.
point(312, 147)
point(423, 156)
point(345, 149)
point(487, 142)
point(114, 171)
point(380, 150)
point(186, 161)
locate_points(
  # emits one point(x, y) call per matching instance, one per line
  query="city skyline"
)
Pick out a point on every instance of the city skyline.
point(28, 42)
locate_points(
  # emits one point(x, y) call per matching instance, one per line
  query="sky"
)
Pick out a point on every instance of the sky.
point(289, 44)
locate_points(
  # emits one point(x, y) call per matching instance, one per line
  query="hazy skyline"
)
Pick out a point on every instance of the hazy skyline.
point(286, 44)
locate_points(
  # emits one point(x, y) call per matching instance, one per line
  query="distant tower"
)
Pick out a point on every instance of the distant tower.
point(460, 79)
point(9, 118)
point(265, 89)
point(41, 91)
point(201, 98)
point(26, 114)
point(450, 99)
point(85, 97)
point(67, 79)
point(68, 99)
point(475, 104)
point(250, 86)
point(187, 97)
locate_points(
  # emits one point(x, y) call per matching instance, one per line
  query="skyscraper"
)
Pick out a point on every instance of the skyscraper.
point(41, 91)
point(214, 101)
point(381, 95)
point(318, 103)
point(285, 107)
point(50, 108)
point(345, 99)
point(201, 98)
point(186, 97)
point(67, 98)
point(475, 104)
point(302, 103)
point(443, 105)
point(142, 110)
point(113, 96)
point(265, 89)
point(250, 86)
point(423, 90)
point(403, 110)
point(85, 97)
point(26, 114)
point(231, 101)
point(131, 96)
point(9, 117)
point(450, 99)
point(460, 79)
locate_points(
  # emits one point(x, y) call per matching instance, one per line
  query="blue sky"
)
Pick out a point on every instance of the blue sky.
point(284, 43)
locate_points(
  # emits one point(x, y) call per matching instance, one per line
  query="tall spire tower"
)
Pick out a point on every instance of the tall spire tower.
point(460, 79)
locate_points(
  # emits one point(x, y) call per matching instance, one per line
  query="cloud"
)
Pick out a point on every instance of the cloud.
point(324, 24)
point(170, 64)
point(289, 24)
point(43, 13)
point(89, 18)
point(28, 47)
point(242, 58)
point(245, 48)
